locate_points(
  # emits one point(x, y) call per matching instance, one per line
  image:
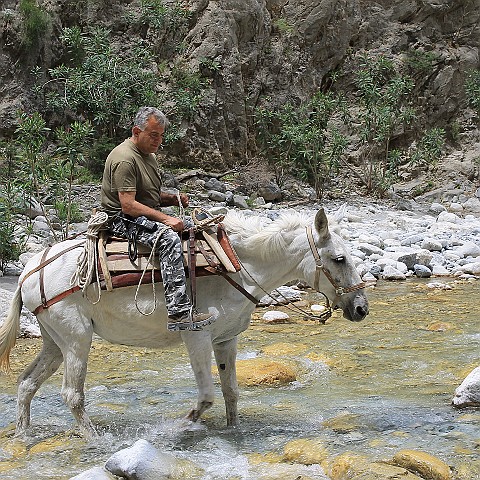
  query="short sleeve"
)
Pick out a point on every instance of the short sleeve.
point(123, 177)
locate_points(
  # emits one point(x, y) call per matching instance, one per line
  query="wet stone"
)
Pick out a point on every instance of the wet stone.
point(305, 451)
point(426, 465)
point(259, 371)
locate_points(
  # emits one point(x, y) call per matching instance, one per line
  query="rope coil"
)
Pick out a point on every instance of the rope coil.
point(87, 262)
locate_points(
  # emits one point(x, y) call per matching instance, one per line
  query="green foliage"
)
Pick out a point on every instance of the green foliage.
point(10, 201)
point(472, 89)
point(384, 109)
point(35, 22)
point(429, 148)
point(283, 26)
point(157, 15)
point(98, 84)
point(420, 61)
point(304, 140)
point(73, 142)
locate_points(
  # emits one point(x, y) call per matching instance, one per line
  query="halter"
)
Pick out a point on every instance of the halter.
point(319, 267)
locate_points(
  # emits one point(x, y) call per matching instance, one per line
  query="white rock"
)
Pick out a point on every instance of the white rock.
point(432, 245)
point(95, 473)
point(448, 217)
point(439, 285)
point(472, 268)
point(468, 249)
point(468, 393)
point(439, 270)
point(275, 316)
point(391, 273)
point(142, 461)
point(437, 208)
point(318, 308)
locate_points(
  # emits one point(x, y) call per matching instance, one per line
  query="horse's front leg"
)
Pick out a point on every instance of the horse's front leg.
point(199, 347)
point(225, 356)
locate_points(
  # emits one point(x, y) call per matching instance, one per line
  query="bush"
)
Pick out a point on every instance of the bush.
point(35, 21)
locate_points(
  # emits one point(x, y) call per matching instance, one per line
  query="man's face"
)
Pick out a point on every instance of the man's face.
point(149, 139)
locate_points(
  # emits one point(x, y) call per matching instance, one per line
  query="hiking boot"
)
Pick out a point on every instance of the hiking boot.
point(189, 321)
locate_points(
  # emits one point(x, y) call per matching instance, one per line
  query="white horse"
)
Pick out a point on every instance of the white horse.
point(273, 253)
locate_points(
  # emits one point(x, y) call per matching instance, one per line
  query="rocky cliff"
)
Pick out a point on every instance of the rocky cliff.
point(269, 52)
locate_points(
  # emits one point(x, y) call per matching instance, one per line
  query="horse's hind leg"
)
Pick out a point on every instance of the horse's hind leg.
point(75, 371)
point(225, 356)
point(44, 366)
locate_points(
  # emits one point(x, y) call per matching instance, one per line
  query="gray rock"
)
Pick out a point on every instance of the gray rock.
point(369, 249)
point(411, 239)
point(281, 296)
point(141, 461)
point(421, 257)
point(432, 245)
point(270, 192)
point(437, 208)
point(239, 201)
point(472, 205)
point(216, 196)
point(468, 393)
point(422, 271)
point(214, 184)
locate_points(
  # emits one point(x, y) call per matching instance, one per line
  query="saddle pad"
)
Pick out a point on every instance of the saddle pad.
point(118, 261)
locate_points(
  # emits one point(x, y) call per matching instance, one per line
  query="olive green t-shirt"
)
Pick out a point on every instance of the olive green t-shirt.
point(127, 169)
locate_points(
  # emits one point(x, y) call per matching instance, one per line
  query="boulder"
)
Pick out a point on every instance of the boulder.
point(141, 461)
point(351, 466)
point(468, 393)
point(426, 465)
point(259, 371)
point(305, 451)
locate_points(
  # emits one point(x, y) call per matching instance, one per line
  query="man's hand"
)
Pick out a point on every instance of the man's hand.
point(174, 223)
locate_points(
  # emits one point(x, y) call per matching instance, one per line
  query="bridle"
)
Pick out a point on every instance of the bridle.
point(319, 268)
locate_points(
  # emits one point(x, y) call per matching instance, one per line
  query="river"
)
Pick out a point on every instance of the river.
point(372, 388)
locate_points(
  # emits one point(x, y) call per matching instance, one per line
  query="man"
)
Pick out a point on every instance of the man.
point(131, 188)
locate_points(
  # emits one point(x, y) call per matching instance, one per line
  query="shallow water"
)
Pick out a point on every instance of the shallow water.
point(372, 388)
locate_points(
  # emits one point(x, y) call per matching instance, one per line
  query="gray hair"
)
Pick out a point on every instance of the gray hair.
point(144, 113)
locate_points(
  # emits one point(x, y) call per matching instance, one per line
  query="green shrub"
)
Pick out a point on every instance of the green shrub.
point(472, 90)
point(35, 22)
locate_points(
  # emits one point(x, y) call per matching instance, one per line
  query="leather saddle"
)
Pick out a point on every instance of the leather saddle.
point(208, 252)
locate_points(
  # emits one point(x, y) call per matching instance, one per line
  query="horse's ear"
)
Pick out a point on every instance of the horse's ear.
point(321, 223)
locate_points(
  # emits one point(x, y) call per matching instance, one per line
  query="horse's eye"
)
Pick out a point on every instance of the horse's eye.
point(339, 259)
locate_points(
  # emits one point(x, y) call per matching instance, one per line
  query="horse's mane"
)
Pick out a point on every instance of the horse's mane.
point(258, 231)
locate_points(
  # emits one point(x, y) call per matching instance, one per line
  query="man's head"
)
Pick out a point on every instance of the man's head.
point(148, 129)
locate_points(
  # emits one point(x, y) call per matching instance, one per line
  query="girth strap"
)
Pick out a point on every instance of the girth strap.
point(217, 269)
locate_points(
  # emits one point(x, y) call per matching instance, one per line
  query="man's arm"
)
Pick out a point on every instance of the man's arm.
point(131, 207)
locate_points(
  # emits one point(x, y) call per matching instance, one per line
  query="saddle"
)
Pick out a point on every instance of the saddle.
point(206, 252)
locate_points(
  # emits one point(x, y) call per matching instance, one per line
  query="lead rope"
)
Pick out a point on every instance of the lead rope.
point(322, 317)
point(87, 262)
point(150, 262)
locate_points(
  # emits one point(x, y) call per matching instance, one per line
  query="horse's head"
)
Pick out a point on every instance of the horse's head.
point(329, 268)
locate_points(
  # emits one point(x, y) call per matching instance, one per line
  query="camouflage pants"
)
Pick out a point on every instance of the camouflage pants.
point(170, 255)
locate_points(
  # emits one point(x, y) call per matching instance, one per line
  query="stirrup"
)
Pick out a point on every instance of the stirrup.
point(203, 219)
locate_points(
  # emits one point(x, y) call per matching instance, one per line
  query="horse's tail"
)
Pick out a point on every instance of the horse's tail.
point(10, 329)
